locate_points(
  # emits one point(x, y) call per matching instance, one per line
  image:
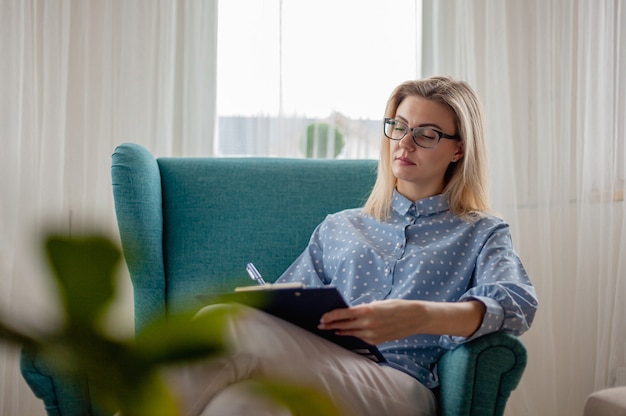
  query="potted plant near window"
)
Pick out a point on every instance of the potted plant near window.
point(323, 141)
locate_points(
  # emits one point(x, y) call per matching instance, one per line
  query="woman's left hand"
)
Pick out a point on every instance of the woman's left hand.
point(378, 321)
point(392, 319)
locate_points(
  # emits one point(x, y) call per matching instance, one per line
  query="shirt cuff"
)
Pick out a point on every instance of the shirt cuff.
point(492, 322)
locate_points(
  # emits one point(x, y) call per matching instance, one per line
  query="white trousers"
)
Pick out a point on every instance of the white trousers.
point(265, 347)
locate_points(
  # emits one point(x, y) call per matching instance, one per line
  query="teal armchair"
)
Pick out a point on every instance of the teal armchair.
point(190, 225)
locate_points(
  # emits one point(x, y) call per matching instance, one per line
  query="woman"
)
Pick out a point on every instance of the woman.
point(423, 265)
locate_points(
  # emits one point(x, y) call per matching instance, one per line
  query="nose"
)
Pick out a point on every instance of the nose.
point(407, 141)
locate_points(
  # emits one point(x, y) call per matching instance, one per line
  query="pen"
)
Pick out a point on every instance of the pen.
point(254, 274)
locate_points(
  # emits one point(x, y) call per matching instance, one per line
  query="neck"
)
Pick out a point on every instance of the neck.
point(415, 192)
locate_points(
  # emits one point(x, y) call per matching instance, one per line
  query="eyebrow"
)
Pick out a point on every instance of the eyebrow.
point(421, 125)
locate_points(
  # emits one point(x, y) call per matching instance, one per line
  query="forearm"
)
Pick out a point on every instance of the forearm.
point(391, 319)
point(450, 318)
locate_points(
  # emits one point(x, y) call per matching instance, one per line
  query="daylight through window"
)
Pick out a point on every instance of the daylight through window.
point(311, 79)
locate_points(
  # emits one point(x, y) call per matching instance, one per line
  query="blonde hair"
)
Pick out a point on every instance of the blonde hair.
point(466, 185)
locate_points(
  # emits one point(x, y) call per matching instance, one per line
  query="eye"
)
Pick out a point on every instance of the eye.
point(428, 135)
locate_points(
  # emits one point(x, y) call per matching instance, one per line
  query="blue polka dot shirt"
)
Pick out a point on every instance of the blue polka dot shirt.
point(424, 252)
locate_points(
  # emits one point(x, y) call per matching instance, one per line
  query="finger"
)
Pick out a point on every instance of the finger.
point(343, 324)
point(337, 315)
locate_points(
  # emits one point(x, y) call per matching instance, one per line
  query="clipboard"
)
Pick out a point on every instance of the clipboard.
point(300, 306)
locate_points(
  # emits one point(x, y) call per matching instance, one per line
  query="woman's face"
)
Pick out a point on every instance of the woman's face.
point(420, 172)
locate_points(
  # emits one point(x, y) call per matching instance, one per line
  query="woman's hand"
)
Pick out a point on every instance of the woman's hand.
point(391, 319)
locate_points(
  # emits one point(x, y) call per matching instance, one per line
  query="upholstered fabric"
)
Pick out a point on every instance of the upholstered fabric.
point(209, 217)
point(190, 226)
point(62, 394)
point(607, 402)
point(477, 378)
point(137, 185)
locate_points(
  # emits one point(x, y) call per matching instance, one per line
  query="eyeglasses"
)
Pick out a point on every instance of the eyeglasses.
point(426, 137)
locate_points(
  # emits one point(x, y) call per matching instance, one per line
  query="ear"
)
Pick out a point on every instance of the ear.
point(458, 155)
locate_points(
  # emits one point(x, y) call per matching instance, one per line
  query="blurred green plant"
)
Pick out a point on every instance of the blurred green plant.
point(318, 139)
point(124, 374)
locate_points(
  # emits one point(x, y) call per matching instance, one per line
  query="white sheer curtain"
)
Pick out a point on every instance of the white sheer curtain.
point(78, 78)
point(553, 78)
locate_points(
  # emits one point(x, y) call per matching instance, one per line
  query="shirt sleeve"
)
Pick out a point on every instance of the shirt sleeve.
point(501, 283)
point(308, 268)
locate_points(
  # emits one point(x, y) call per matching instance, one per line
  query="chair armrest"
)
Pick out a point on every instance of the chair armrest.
point(477, 378)
point(62, 394)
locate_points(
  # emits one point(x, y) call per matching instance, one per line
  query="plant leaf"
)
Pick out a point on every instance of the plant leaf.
point(84, 269)
point(17, 337)
point(183, 336)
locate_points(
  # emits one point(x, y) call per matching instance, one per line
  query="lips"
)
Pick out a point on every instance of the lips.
point(404, 160)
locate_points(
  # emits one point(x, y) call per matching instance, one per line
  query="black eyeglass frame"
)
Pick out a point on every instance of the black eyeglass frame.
point(440, 134)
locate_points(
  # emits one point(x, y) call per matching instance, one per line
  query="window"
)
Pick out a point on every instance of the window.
point(326, 68)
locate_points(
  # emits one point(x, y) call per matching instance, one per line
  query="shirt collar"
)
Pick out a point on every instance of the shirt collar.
point(427, 206)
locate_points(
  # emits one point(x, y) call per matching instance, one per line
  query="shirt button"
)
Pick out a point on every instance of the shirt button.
point(387, 270)
point(399, 245)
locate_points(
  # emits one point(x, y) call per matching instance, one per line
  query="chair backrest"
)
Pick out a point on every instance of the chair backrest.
point(190, 225)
